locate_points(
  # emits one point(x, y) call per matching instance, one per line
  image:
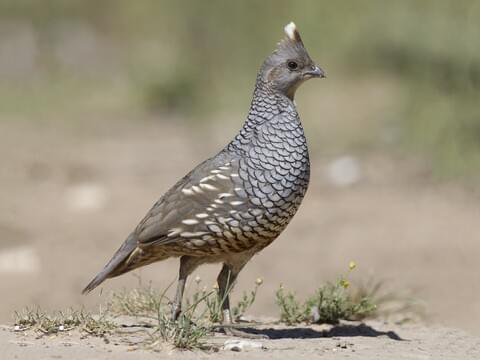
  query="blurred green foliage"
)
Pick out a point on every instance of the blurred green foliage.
point(198, 59)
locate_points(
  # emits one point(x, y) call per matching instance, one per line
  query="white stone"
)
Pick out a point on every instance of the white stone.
point(241, 345)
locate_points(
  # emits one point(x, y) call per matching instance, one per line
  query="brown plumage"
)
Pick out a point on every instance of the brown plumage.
point(236, 203)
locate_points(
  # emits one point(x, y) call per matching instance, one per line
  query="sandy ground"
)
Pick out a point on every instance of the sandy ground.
point(370, 340)
point(70, 195)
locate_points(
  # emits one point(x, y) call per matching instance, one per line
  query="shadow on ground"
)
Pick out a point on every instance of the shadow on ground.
point(342, 330)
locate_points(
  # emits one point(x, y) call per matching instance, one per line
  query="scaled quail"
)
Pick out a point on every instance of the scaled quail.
point(236, 203)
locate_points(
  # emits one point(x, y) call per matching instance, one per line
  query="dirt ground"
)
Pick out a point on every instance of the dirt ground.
point(70, 195)
point(357, 341)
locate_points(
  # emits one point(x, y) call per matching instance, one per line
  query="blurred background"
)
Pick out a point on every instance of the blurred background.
point(104, 105)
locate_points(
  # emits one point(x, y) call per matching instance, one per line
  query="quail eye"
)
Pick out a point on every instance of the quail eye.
point(292, 65)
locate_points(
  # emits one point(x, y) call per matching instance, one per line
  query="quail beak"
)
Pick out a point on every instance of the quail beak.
point(315, 72)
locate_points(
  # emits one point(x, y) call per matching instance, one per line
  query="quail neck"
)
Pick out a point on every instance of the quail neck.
point(267, 105)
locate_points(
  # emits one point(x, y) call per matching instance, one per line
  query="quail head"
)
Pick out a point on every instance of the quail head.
point(236, 203)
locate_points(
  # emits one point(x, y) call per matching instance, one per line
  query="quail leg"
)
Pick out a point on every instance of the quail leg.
point(225, 280)
point(177, 302)
point(187, 266)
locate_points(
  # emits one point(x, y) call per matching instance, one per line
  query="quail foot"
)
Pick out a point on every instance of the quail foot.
point(236, 203)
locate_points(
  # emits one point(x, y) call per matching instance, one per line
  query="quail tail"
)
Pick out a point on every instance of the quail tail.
point(111, 269)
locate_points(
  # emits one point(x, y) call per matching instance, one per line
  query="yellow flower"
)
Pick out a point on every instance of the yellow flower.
point(259, 281)
point(352, 265)
point(344, 283)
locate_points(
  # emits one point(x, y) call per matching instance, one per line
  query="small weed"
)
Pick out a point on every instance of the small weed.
point(183, 333)
point(61, 321)
point(213, 303)
point(333, 302)
point(330, 303)
point(291, 310)
point(246, 301)
point(187, 332)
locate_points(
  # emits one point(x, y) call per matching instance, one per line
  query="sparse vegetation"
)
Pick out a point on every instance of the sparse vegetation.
point(188, 331)
point(291, 309)
point(246, 300)
point(201, 311)
point(147, 302)
point(182, 334)
point(341, 300)
point(62, 321)
point(331, 303)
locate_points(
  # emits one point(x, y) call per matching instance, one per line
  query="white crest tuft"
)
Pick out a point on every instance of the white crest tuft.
point(290, 30)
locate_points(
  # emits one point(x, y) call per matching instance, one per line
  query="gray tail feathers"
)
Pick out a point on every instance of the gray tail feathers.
point(112, 267)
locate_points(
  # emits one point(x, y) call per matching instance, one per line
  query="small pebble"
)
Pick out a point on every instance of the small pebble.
point(241, 345)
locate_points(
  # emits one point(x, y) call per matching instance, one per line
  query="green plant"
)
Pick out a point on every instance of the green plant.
point(331, 303)
point(291, 310)
point(246, 301)
point(213, 303)
point(183, 333)
point(187, 332)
